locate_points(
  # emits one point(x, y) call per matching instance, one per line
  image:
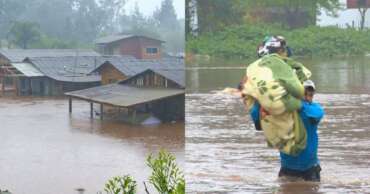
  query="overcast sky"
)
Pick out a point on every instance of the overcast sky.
point(344, 17)
point(148, 6)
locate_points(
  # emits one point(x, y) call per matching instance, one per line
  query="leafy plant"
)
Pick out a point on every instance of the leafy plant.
point(241, 41)
point(121, 185)
point(166, 176)
point(5, 192)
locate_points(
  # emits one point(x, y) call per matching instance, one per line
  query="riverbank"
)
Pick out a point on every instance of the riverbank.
point(242, 41)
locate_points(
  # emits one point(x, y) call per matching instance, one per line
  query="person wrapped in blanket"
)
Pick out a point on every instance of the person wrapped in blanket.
point(272, 91)
point(305, 164)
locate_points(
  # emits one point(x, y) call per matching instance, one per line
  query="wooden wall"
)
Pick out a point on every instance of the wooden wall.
point(151, 79)
point(135, 46)
point(109, 74)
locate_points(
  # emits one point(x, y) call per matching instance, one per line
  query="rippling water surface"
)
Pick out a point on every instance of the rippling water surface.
point(224, 154)
point(44, 150)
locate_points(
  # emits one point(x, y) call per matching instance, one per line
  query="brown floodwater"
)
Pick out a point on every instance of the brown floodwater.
point(224, 154)
point(45, 150)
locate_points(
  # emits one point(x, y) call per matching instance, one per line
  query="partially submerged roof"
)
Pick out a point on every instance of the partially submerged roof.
point(18, 55)
point(123, 95)
point(175, 75)
point(27, 69)
point(67, 69)
point(114, 38)
point(171, 68)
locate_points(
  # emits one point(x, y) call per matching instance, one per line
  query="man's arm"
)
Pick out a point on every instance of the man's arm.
point(255, 114)
point(313, 111)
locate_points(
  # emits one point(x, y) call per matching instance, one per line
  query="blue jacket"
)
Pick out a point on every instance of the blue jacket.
point(311, 114)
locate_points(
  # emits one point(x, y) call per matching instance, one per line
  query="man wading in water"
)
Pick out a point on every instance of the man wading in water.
point(306, 164)
point(302, 163)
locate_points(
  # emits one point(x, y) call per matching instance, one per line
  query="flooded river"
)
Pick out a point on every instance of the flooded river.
point(45, 150)
point(224, 154)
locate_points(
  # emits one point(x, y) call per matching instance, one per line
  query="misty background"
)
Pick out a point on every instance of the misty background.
point(77, 23)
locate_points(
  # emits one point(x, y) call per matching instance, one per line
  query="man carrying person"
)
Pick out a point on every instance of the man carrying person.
point(305, 165)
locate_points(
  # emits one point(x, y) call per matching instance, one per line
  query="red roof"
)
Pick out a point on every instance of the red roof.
point(354, 4)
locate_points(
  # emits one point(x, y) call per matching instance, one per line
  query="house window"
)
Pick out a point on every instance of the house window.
point(151, 50)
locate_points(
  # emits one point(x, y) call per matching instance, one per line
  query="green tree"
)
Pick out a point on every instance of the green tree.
point(23, 34)
point(136, 23)
point(166, 16)
point(362, 8)
point(217, 14)
point(293, 13)
point(71, 20)
point(9, 10)
point(213, 15)
point(114, 9)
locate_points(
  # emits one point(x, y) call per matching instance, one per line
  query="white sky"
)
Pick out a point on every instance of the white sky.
point(344, 17)
point(147, 7)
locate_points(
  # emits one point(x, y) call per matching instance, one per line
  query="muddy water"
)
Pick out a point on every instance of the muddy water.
point(224, 154)
point(44, 150)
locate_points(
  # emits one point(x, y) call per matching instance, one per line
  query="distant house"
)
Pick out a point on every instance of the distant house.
point(141, 47)
point(28, 77)
point(157, 92)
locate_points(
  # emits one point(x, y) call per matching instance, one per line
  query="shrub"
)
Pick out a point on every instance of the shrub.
point(166, 176)
point(121, 185)
point(242, 41)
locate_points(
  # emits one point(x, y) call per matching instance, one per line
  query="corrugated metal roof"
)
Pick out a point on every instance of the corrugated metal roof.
point(18, 55)
point(68, 69)
point(171, 68)
point(27, 69)
point(114, 38)
point(124, 95)
point(176, 75)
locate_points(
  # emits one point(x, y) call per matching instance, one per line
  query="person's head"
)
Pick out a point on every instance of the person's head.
point(274, 44)
point(309, 90)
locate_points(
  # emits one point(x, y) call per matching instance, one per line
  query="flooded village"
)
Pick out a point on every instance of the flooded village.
point(73, 118)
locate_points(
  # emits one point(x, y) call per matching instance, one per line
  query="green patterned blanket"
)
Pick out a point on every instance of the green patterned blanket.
point(276, 83)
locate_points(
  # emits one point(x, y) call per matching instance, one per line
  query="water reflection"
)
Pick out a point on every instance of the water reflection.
point(349, 75)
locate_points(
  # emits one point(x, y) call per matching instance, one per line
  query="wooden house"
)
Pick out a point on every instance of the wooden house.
point(141, 47)
point(155, 91)
point(118, 68)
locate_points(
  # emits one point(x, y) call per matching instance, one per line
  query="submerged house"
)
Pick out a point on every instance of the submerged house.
point(45, 71)
point(156, 90)
point(141, 47)
point(52, 76)
point(118, 68)
point(60, 75)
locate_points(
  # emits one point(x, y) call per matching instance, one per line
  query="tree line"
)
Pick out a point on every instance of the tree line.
point(214, 15)
point(77, 23)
